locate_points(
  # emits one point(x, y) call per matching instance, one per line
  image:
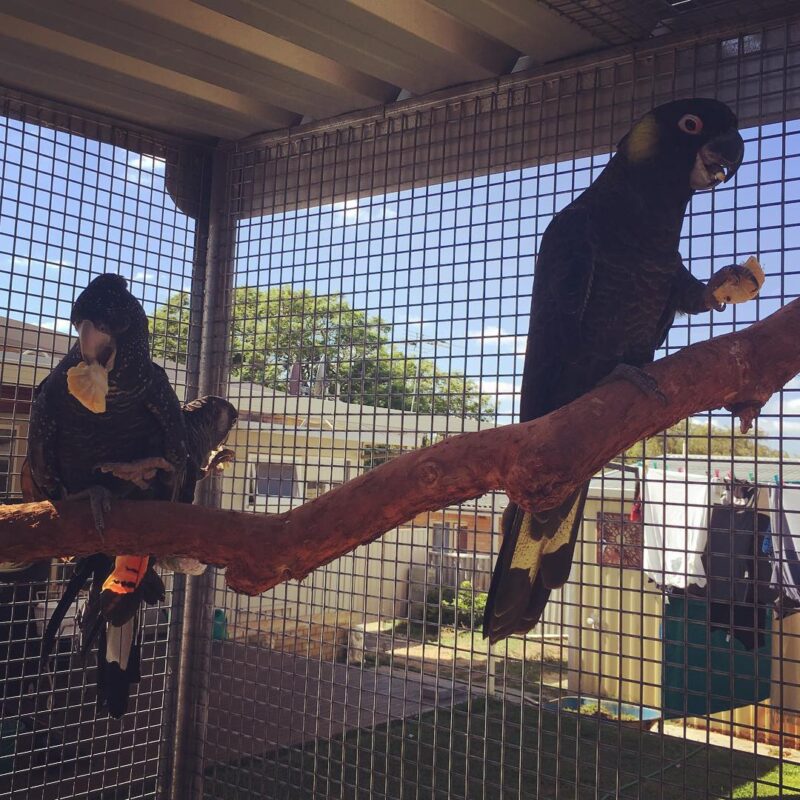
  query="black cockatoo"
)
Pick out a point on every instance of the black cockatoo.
point(608, 283)
point(106, 423)
point(208, 422)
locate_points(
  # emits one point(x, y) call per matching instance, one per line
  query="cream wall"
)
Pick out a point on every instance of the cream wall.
point(614, 619)
point(371, 581)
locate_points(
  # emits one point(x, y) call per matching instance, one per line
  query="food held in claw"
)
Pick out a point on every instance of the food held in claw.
point(743, 284)
point(88, 383)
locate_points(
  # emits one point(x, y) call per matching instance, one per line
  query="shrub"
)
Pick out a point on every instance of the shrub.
point(440, 606)
point(470, 606)
point(463, 609)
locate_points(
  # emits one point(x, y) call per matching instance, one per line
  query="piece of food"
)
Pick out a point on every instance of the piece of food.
point(88, 383)
point(742, 283)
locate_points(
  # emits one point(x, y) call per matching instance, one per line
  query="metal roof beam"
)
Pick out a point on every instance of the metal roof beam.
point(527, 26)
point(215, 98)
point(382, 44)
point(309, 67)
point(441, 30)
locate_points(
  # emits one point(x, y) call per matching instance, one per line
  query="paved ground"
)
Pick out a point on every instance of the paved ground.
point(270, 700)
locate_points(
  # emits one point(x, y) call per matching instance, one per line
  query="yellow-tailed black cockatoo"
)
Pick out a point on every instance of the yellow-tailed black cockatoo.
point(608, 283)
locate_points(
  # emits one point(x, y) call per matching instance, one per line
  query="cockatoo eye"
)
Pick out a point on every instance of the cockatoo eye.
point(691, 124)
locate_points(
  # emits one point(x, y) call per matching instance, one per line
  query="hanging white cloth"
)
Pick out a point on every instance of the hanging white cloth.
point(676, 508)
point(785, 512)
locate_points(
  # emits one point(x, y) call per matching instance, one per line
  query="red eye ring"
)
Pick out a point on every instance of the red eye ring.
point(691, 124)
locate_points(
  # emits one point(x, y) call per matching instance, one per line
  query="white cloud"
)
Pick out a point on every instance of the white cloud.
point(59, 325)
point(788, 404)
point(147, 163)
point(56, 264)
point(493, 336)
point(141, 169)
point(786, 426)
point(145, 275)
point(492, 386)
point(349, 212)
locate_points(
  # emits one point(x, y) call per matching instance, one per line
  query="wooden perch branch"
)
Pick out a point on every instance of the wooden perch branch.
point(537, 463)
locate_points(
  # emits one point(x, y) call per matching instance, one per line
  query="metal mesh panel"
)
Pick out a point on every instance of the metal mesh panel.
point(379, 291)
point(79, 197)
point(623, 21)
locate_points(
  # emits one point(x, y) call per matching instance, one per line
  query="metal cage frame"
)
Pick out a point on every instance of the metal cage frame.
point(365, 207)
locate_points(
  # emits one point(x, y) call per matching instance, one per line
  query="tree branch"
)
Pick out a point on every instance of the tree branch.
point(537, 463)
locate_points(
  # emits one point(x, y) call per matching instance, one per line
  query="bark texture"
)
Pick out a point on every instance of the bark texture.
point(537, 463)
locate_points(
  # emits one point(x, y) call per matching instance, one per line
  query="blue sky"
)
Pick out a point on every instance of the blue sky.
point(449, 265)
point(71, 208)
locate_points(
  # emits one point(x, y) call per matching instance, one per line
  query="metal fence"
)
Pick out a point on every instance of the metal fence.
point(360, 289)
point(81, 196)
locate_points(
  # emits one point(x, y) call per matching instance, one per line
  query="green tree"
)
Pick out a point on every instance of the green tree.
point(275, 328)
point(699, 438)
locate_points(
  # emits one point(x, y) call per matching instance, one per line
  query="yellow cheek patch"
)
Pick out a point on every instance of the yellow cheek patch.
point(643, 139)
point(88, 384)
point(741, 288)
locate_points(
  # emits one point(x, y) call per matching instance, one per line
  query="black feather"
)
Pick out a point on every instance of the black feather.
point(67, 441)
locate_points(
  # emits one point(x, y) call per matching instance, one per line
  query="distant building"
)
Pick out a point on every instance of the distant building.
point(27, 354)
point(290, 449)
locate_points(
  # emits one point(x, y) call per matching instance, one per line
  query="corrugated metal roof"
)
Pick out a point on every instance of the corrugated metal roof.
point(231, 68)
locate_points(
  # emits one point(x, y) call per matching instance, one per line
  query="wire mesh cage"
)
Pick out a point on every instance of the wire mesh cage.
point(379, 282)
point(363, 289)
point(79, 197)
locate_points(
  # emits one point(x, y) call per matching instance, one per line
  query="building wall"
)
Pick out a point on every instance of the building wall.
point(614, 621)
point(613, 617)
point(370, 582)
point(471, 531)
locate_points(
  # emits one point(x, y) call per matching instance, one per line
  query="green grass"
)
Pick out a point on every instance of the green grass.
point(485, 751)
point(468, 641)
point(462, 654)
point(783, 780)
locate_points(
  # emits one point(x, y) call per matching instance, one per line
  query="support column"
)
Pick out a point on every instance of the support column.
point(213, 288)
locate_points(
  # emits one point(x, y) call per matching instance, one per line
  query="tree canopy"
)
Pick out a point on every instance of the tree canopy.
point(278, 327)
point(700, 438)
point(285, 325)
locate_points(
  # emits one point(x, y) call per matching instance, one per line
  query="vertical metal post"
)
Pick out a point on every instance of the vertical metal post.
point(199, 167)
point(195, 647)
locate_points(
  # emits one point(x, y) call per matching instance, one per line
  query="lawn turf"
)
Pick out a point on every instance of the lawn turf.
point(483, 750)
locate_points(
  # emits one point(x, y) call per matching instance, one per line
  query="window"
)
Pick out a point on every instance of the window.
point(463, 538)
point(5, 460)
point(275, 480)
point(441, 536)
